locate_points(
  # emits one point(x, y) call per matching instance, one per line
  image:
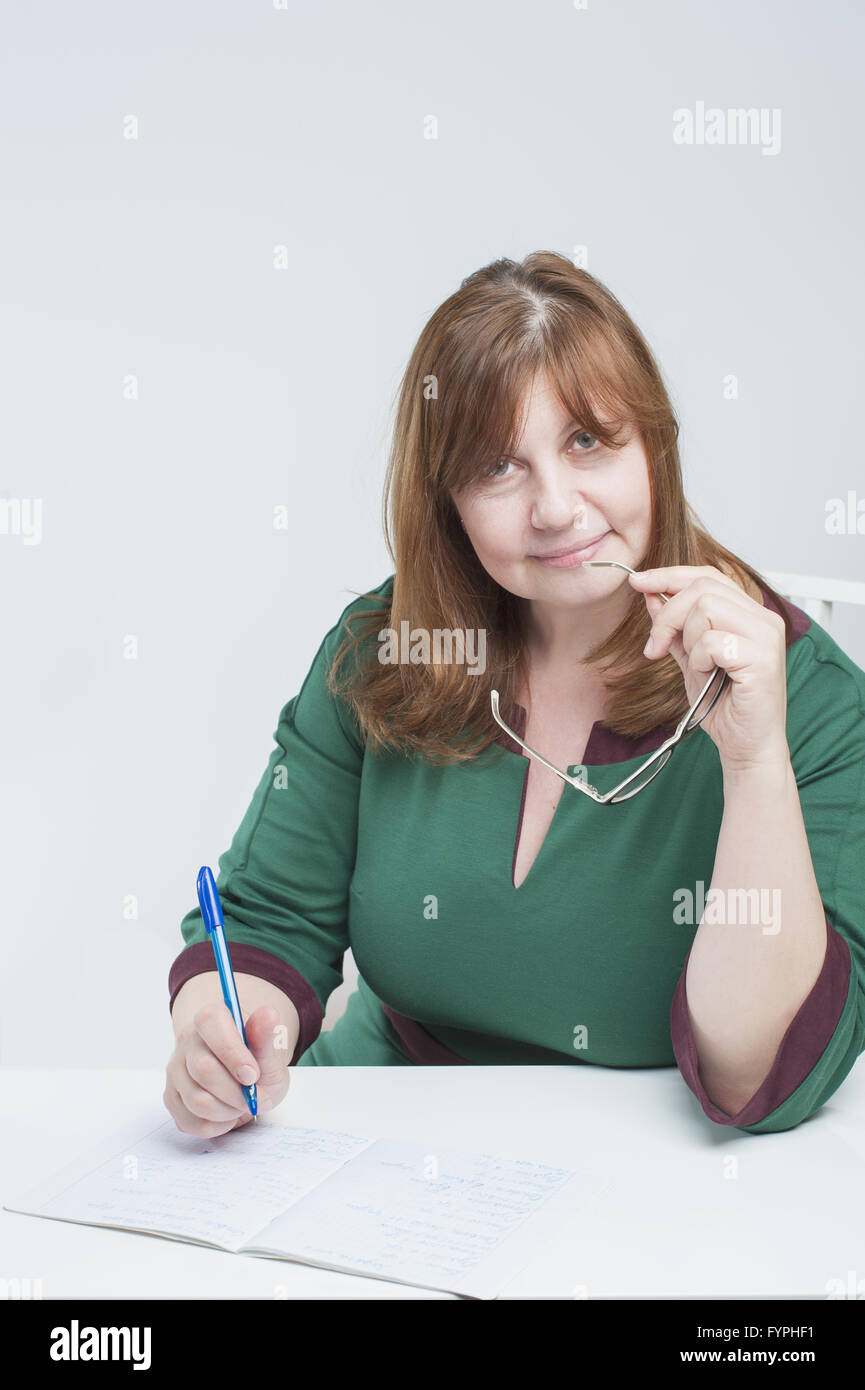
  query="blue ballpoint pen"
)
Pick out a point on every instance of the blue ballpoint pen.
point(211, 912)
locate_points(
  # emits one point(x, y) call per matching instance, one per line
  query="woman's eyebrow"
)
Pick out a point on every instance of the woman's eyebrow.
point(569, 426)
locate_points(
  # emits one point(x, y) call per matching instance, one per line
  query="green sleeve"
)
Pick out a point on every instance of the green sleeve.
point(284, 879)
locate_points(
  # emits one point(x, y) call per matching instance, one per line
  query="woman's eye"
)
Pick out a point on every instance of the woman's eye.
point(584, 434)
point(491, 471)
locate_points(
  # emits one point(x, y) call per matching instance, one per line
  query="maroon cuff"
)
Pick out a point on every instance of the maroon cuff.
point(420, 1046)
point(252, 960)
point(801, 1047)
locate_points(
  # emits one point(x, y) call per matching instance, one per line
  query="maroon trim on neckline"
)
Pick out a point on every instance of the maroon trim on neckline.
point(604, 746)
point(252, 960)
point(420, 1046)
point(801, 1047)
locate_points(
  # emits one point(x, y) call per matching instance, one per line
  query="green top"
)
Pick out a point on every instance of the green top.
point(411, 866)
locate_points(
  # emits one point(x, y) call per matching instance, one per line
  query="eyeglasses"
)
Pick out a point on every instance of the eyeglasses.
point(705, 701)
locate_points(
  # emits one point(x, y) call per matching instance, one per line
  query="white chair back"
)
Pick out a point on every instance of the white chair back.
point(815, 596)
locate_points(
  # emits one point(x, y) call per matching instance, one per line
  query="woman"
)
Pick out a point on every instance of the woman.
point(713, 920)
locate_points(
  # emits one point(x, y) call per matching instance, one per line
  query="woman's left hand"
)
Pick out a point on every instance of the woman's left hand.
point(710, 621)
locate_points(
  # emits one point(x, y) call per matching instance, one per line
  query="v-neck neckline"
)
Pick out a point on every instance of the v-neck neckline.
point(602, 747)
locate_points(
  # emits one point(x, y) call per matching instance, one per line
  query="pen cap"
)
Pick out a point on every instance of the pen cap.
point(208, 899)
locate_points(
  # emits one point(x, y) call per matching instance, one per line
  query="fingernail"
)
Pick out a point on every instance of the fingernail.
point(647, 650)
point(246, 1075)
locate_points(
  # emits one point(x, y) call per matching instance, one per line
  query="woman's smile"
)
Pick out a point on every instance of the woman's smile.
point(573, 557)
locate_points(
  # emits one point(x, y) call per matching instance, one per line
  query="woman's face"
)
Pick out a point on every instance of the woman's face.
point(562, 490)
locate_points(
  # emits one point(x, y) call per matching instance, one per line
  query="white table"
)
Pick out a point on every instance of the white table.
point(688, 1209)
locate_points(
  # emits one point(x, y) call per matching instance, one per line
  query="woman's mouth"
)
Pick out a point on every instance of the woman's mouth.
point(573, 557)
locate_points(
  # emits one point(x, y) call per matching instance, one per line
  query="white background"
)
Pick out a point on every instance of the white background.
point(153, 258)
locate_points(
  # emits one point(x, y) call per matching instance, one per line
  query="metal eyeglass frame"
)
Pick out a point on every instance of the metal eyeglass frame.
point(661, 755)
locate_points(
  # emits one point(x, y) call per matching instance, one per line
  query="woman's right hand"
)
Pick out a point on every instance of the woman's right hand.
point(205, 1073)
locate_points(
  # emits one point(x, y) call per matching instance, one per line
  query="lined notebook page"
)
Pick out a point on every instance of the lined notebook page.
point(466, 1222)
point(221, 1190)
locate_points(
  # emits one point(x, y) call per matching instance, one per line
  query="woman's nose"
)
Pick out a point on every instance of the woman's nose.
point(556, 505)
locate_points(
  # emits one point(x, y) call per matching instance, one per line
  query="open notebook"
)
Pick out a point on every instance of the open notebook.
point(465, 1223)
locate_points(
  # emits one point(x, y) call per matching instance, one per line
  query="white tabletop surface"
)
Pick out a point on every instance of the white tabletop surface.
point(686, 1208)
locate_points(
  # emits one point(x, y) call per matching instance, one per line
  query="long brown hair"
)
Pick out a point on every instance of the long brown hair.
point(459, 409)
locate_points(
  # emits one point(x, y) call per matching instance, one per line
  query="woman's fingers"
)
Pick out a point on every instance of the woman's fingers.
point(200, 1084)
point(208, 1072)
